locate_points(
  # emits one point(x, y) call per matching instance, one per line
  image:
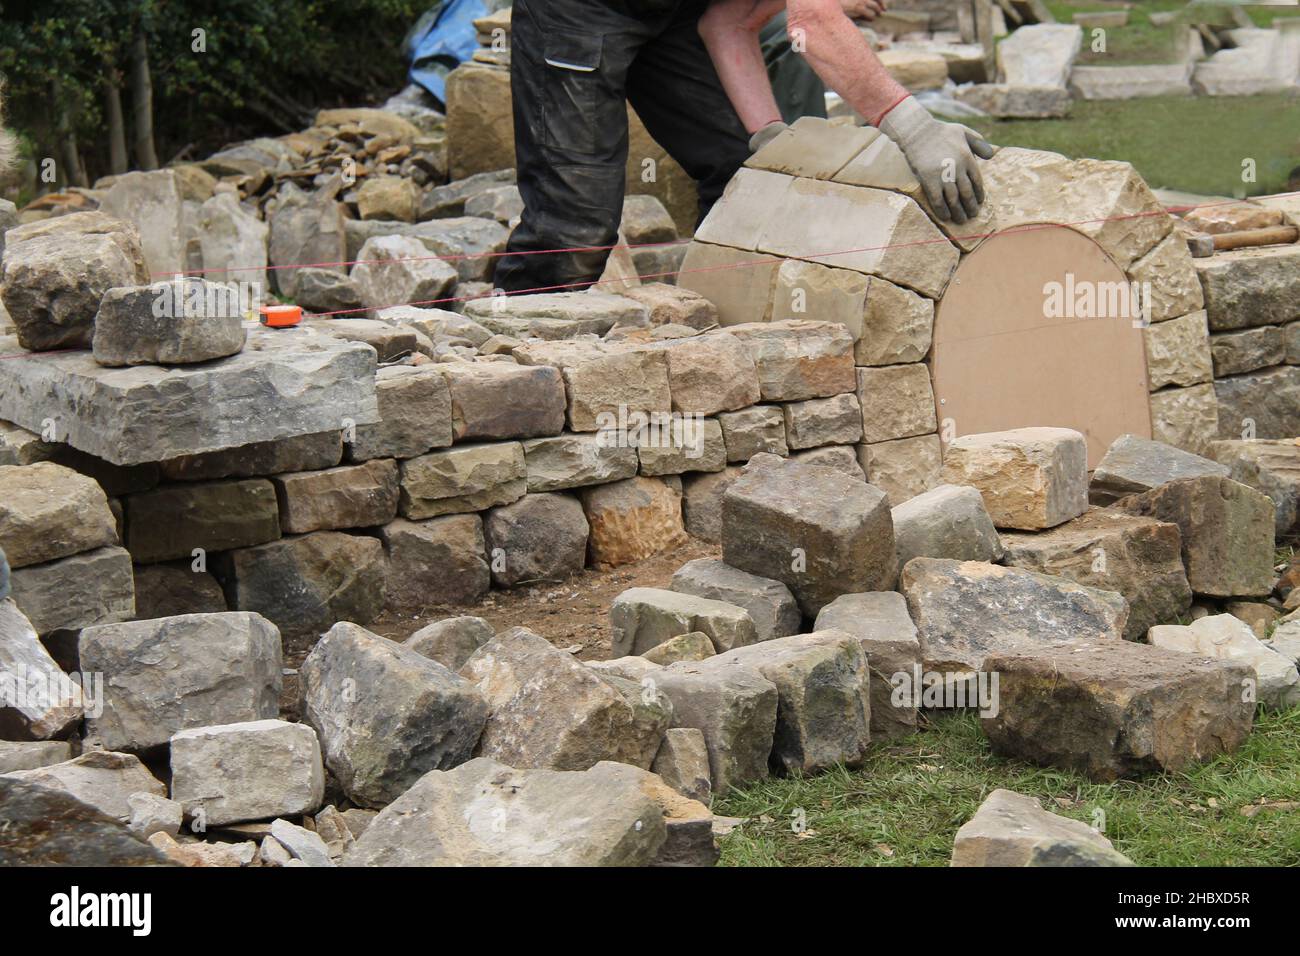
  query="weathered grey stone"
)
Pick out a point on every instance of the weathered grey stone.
point(841, 458)
point(752, 431)
point(390, 342)
point(823, 711)
point(606, 384)
point(172, 521)
point(524, 680)
point(682, 445)
point(632, 519)
point(897, 401)
point(285, 383)
point(683, 763)
point(539, 538)
point(301, 453)
point(1263, 404)
point(305, 583)
point(167, 590)
point(232, 242)
point(819, 532)
point(735, 709)
point(668, 304)
point(1186, 418)
point(504, 400)
point(1031, 478)
point(572, 461)
point(1178, 352)
point(472, 240)
point(94, 587)
point(32, 754)
point(173, 674)
point(693, 646)
point(1039, 54)
point(1139, 558)
point(823, 421)
point(152, 814)
point(305, 228)
point(798, 360)
point(451, 641)
point(1011, 829)
point(85, 836)
point(37, 700)
point(946, 522)
point(461, 479)
point(1236, 353)
point(1226, 530)
point(48, 511)
point(710, 373)
point(152, 201)
point(449, 200)
point(556, 315)
point(903, 468)
point(602, 816)
point(1117, 709)
point(769, 603)
point(1249, 287)
point(702, 502)
point(414, 411)
point(396, 270)
point(1009, 101)
point(439, 561)
point(168, 323)
point(1132, 465)
point(643, 618)
point(351, 496)
point(255, 770)
point(385, 714)
point(1272, 467)
point(1224, 637)
point(966, 611)
point(879, 621)
point(55, 273)
point(325, 291)
point(102, 779)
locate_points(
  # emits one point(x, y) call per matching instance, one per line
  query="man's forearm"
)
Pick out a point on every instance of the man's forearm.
point(841, 56)
point(729, 29)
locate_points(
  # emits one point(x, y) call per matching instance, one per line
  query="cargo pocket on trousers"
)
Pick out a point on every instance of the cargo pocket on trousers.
point(576, 93)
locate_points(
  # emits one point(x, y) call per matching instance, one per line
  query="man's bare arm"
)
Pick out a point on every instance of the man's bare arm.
point(841, 56)
point(729, 29)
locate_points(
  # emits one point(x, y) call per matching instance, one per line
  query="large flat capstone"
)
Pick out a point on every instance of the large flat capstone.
point(285, 383)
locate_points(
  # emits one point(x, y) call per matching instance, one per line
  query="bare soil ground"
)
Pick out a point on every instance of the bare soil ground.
point(573, 615)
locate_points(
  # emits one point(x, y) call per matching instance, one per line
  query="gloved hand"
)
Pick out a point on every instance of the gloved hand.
point(942, 155)
point(765, 135)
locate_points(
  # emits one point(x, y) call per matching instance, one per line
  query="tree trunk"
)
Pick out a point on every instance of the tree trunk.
point(146, 153)
point(74, 173)
point(117, 161)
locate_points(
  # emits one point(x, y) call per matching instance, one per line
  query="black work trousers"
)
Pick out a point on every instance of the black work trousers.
point(574, 67)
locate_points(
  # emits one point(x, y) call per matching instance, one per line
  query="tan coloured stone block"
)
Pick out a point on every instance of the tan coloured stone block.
point(600, 379)
point(737, 282)
point(1031, 478)
point(799, 360)
point(897, 402)
point(904, 468)
point(813, 147)
point(1187, 418)
point(747, 206)
point(462, 479)
point(1178, 352)
point(633, 519)
point(1168, 272)
point(708, 374)
point(867, 230)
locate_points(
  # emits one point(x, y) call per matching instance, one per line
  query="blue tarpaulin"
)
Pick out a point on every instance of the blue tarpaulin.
point(440, 41)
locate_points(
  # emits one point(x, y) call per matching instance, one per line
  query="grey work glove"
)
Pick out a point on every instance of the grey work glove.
point(942, 155)
point(765, 135)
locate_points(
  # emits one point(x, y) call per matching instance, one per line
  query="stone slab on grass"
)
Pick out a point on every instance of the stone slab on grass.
point(1117, 709)
point(1012, 829)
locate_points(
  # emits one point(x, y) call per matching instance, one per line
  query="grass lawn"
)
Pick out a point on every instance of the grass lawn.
point(903, 807)
point(1195, 144)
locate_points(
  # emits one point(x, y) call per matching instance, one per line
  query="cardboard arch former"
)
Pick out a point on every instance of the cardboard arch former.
point(827, 222)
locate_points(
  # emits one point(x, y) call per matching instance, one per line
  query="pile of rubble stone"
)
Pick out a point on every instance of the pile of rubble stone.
point(461, 745)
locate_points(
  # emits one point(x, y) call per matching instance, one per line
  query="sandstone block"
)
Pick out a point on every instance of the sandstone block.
point(1031, 478)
